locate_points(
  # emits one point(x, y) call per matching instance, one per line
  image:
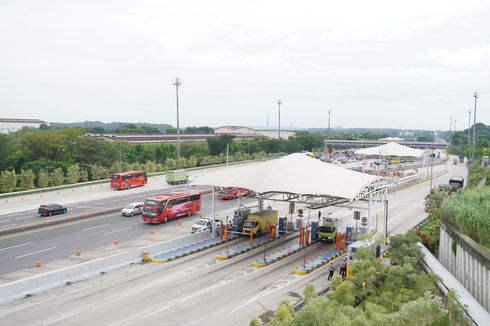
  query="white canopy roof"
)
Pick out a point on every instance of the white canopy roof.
point(296, 174)
point(391, 149)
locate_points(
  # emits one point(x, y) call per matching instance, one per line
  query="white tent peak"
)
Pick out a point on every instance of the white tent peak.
point(391, 149)
point(294, 174)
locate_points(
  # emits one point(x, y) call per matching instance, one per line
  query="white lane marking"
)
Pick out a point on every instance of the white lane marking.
point(21, 218)
point(124, 229)
point(35, 252)
point(156, 312)
point(19, 245)
point(8, 225)
point(95, 227)
point(5, 221)
point(52, 321)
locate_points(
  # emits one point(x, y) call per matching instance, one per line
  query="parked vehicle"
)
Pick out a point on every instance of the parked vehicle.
point(455, 161)
point(257, 222)
point(176, 177)
point(165, 207)
point(129, 179)
point(232, 192)
point(461, 158)
point(51, 209)
point(457, 182)
point(205, 223)
point(132, 209)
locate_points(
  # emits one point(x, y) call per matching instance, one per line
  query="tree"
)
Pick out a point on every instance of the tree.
point(42, 178)
point(309, 293)
point(26, 179)
point(57, 177)
point(98, 172)
point(73, 174)
point(255, 322)
point(217, 145)
point(8, 181)
point(83, 175)
point(284, 313)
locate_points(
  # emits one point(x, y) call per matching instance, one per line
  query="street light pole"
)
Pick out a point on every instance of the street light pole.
point(469, 131)
point(177, 83)
point(432, 157)
point(474, 129)
point(279, 119)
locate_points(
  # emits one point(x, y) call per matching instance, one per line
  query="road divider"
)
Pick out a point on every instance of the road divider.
point(188, 250)
point(318, 262)
point(278, 255)
point(35, 284)
point(246, 247)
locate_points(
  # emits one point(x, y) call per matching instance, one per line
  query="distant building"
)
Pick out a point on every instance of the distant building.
point(390, 139)
point(247, 132)
point(13, 125)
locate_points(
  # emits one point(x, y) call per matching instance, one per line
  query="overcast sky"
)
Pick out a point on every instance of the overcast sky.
point(390, 64)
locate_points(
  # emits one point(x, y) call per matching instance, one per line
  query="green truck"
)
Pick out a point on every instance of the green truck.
point(257, 222)
point(327, 232)
point(177, 177)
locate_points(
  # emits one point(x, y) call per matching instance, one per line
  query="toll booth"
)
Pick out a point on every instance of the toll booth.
point(314, 230)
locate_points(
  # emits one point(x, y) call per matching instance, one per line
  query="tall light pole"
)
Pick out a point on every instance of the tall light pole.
point(177, 83)
point(454, 129)
point(432, 157)
point(279, 119)
point(469, 131)
point(329, 111)
point(474, 129)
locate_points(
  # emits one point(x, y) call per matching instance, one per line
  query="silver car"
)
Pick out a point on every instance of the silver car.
point(132, 209)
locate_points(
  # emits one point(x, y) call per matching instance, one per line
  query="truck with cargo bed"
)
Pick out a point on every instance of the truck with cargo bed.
point(257, 222)
point(177, 177)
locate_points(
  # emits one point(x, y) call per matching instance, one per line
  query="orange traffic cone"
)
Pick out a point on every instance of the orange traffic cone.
point(38, 263)
point(78, 252)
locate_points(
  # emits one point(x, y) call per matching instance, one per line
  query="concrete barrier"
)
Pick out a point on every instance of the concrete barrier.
point(39, 283)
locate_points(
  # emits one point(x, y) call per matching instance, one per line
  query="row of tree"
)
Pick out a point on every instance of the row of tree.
point(377, 294)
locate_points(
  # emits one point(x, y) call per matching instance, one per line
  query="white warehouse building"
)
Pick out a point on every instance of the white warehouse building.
point(8, 125)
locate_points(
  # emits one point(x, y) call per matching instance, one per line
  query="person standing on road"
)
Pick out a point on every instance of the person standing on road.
point(343, 268)
point(330, 272)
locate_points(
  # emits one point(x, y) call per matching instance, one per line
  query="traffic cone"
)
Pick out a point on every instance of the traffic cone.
point(116, 242)
point(78, 252)
point(38, 263)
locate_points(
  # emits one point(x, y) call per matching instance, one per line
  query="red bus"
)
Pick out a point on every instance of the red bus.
point(129, 179)
point(231, 192)
point(163, 208)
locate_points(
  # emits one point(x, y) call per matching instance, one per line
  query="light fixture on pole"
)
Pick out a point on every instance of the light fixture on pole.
point(177, 83)
point(279, 119)
point(432, 157)
point(474, 129)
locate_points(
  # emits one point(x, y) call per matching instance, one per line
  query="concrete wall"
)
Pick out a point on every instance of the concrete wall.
point(35, 284)
point(467, 261)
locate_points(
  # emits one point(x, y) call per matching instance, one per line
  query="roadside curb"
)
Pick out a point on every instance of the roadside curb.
point(267, 262)
point(194, 251)
point(67, 219)
point(300, 271)
point(247, 249)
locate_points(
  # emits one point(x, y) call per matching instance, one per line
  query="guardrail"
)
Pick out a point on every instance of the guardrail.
point(88, 183)
point(39, 283)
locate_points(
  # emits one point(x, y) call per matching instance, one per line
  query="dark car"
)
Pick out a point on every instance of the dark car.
point(51, 209)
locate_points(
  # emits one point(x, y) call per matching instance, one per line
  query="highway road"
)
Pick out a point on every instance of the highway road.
point(23, 249)
point(198, 289)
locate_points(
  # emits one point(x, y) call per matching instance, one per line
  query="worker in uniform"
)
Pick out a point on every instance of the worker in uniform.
point(343, 268)
point(330, 271)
